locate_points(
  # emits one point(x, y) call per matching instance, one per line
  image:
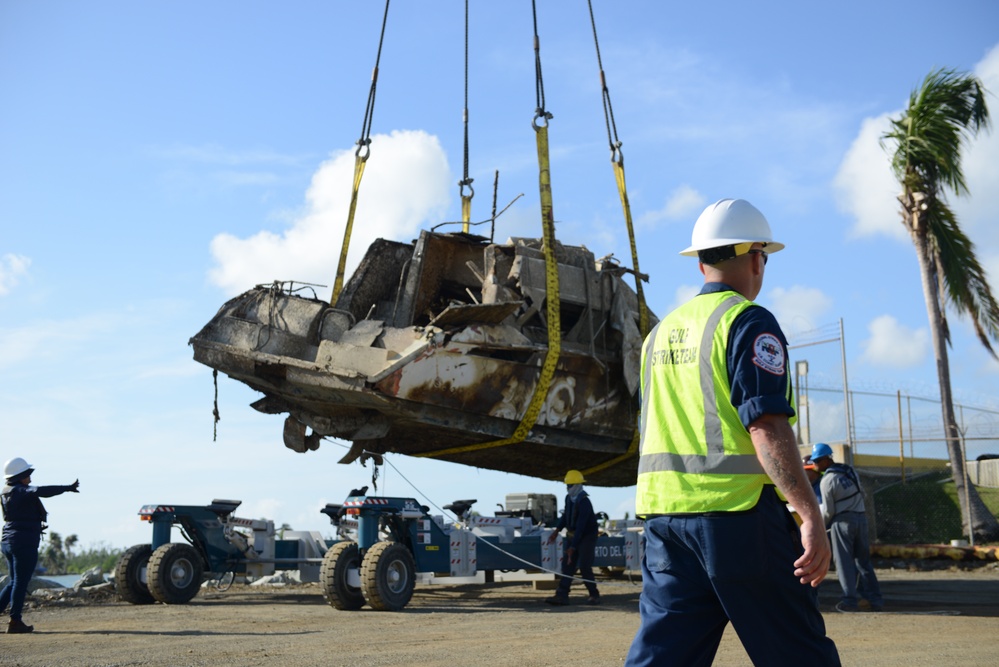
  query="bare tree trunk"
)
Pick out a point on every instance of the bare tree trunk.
point(984, 524)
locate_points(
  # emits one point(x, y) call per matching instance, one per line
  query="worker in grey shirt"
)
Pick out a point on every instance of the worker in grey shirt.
point(846, 518)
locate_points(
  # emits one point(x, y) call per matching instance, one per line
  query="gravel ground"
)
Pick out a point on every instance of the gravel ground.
point(932, 618)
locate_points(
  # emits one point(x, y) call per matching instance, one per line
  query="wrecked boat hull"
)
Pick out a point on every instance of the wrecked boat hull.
point(435, 349)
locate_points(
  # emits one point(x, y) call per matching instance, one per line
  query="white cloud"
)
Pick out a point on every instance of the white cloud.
point(682, 295)
point(865, 187)
point(264, 508)
point(976, 212)
point(12, 268)
point(38, 342)
point(820, 420)
point(405, 183)
point(796, 308)
point(893, 345)
point(799, 308)
point(684, 203)
point(215, 154)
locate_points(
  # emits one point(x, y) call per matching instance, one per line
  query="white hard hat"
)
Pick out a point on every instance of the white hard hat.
point(15, 467)
point(730, 222)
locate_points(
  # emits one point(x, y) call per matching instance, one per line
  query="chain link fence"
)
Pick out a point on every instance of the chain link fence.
point(922, 507)
point(899, 448)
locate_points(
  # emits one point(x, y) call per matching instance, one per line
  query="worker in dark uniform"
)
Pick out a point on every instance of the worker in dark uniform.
point(24, 517)
point(846, 517)
point(814, 476)
point(581, 524)
point(716, 446)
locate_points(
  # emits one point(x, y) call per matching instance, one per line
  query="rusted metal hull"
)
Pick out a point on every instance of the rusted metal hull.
point(423, 373)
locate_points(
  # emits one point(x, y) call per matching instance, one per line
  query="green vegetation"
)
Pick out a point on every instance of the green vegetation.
point(989, 496)
point(99, 555)
point(924, 511)
point(60, 556)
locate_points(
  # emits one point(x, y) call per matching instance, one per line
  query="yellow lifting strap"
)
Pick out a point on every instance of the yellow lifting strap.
point(617, 159)
point(359, 162)
point(643, 310)
point(553, 303)
point(466, 212)
point(632, 451)
point(360, 157)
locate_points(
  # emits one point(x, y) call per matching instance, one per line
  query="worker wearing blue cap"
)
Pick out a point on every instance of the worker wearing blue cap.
point(846, 518)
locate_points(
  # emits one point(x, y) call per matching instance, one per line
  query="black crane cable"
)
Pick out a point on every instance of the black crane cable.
point(617, 159)
point(466, 180)
point(365, 141)
point(360, 159)
point(612, 139)
point(539, 84)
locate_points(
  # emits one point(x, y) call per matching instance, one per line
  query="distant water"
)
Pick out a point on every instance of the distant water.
point(64, 580)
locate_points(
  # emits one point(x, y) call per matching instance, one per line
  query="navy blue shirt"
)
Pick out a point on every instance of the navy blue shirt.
point(24, 513)
point(757, 362)
point(578, 517)
point(817, 488)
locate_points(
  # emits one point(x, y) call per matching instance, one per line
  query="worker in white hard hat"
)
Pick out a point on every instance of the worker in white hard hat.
point(717, 453)
point(581, 527)
point(24, 517)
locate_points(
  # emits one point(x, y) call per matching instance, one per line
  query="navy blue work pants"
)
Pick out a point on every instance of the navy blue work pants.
point(21, 561)
point(582, 558)
point(702, 571)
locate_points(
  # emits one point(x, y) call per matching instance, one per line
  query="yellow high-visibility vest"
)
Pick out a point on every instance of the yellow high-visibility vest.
point(696, 455)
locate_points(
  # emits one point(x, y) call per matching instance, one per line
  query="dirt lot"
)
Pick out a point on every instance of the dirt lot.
point(931, 618)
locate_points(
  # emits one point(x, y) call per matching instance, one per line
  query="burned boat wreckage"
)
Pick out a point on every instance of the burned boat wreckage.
point(435, 349)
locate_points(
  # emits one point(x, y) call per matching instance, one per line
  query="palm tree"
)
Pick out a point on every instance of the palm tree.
point(945, 111)
point(53, 559)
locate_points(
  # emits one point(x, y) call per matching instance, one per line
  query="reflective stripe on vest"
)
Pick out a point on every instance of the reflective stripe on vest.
point(715, 461)
point(695, 474)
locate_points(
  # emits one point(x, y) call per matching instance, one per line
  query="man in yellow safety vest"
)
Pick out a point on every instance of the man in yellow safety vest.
point(716, 447)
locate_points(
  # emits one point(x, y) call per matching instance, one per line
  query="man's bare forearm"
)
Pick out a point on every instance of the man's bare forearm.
point(777, 451)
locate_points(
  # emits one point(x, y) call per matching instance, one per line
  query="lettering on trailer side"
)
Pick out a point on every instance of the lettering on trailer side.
point(608, 551)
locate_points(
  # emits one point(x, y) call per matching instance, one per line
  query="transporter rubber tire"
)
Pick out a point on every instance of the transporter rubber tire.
point(130, 575)
point(175, 573)
point(337, 563)
point(388, 576)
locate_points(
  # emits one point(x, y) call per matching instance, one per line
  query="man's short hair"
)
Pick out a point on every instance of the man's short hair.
point(716, 255)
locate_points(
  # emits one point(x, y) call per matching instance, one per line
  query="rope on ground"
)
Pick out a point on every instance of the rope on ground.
point(533, 566)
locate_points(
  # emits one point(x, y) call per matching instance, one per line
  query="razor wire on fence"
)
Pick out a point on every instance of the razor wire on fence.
point(894, 424)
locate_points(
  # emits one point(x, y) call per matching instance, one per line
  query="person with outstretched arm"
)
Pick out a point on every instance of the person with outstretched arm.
point(24, 520)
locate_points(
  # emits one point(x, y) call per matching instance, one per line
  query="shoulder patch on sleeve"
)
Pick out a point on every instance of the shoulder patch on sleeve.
point(768, 353)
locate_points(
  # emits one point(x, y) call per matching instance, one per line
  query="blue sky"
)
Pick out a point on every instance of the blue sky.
point(157, 158)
